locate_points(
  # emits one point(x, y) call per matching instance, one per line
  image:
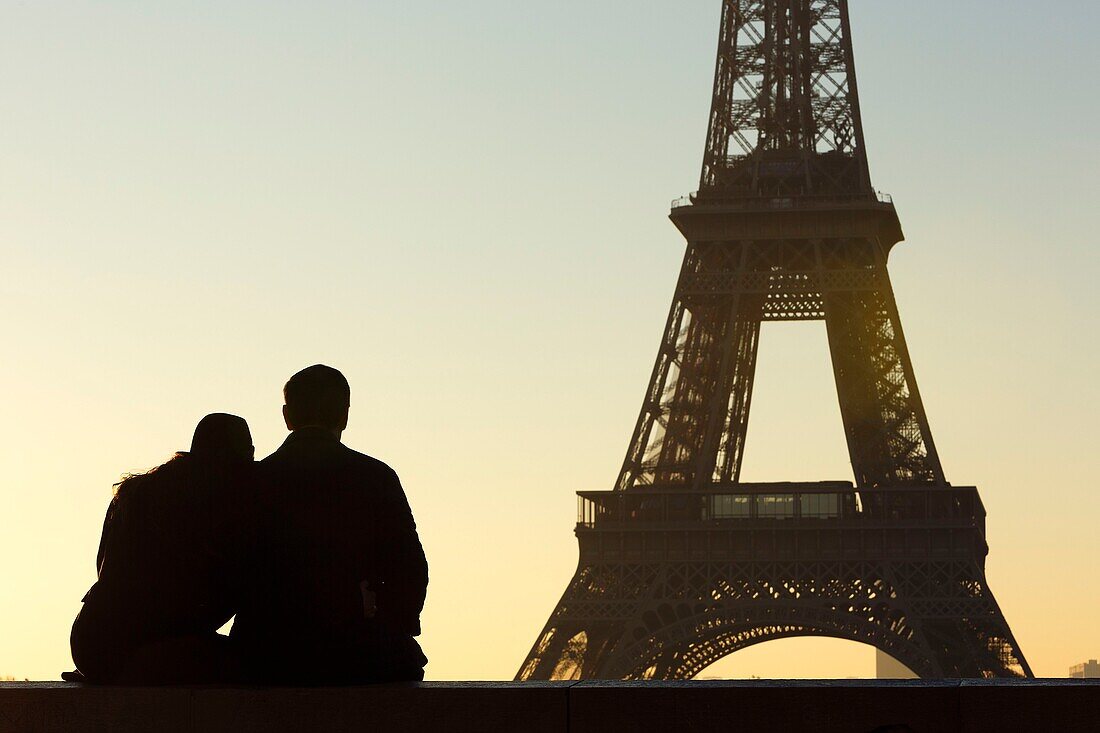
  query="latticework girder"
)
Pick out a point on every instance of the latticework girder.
point(785, 227)
point(671, 620)
point(784, 115)
point(693, 427)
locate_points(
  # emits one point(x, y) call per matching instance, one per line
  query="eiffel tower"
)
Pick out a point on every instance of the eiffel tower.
point(682, 563)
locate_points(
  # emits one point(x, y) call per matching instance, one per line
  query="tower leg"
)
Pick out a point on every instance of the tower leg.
point(694, 420)
point(588, 622)
point(889, 440)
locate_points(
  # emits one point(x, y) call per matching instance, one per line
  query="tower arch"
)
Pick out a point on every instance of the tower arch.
point(684, 650)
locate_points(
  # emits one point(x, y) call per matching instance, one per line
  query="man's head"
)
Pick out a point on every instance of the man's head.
point(317, 396)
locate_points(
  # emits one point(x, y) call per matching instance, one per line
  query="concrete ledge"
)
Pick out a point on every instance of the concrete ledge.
point(839, 706)
point(1066, 706)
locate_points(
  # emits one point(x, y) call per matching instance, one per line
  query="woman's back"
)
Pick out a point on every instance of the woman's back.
point(160, 553)
point(162, 571)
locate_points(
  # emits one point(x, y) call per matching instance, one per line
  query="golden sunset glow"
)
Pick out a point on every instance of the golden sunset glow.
point(463, 207)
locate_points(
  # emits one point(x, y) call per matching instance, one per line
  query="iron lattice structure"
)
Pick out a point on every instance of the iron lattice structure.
point(683, 563)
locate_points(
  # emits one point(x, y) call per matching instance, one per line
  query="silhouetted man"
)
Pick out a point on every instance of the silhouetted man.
point(334, 576)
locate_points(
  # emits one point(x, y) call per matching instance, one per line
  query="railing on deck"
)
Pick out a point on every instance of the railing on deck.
point(825, 502)
point(772, 202)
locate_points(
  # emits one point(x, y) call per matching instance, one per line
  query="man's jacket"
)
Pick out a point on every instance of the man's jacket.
point(332, 572)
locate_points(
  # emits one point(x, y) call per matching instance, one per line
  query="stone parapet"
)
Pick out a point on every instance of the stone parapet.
point(852, 706)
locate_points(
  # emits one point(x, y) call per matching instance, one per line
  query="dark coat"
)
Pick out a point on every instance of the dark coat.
point(161, 574)
point(332, 574)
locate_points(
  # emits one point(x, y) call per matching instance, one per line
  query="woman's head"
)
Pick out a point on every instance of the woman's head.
point(223, 438)
point(220, 449)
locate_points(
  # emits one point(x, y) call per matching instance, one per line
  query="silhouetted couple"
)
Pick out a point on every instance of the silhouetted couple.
point(313, 550)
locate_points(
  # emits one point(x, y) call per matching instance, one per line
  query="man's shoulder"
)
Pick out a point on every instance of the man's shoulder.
point(335, 454)
point(368, 464)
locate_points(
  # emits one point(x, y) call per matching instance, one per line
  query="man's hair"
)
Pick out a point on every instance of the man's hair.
point(317, 395)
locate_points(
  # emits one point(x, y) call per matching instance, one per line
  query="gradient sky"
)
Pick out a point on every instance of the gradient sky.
point(462, 205)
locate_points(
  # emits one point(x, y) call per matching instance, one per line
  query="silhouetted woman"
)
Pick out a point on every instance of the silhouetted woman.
point(165, 584)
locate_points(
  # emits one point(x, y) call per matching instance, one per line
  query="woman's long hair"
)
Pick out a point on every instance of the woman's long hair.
point(173, 504)
point(134, 481)
point(220, 450)
point(175, 507)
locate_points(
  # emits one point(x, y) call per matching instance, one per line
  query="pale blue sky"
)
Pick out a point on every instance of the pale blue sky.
point(462, 205)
